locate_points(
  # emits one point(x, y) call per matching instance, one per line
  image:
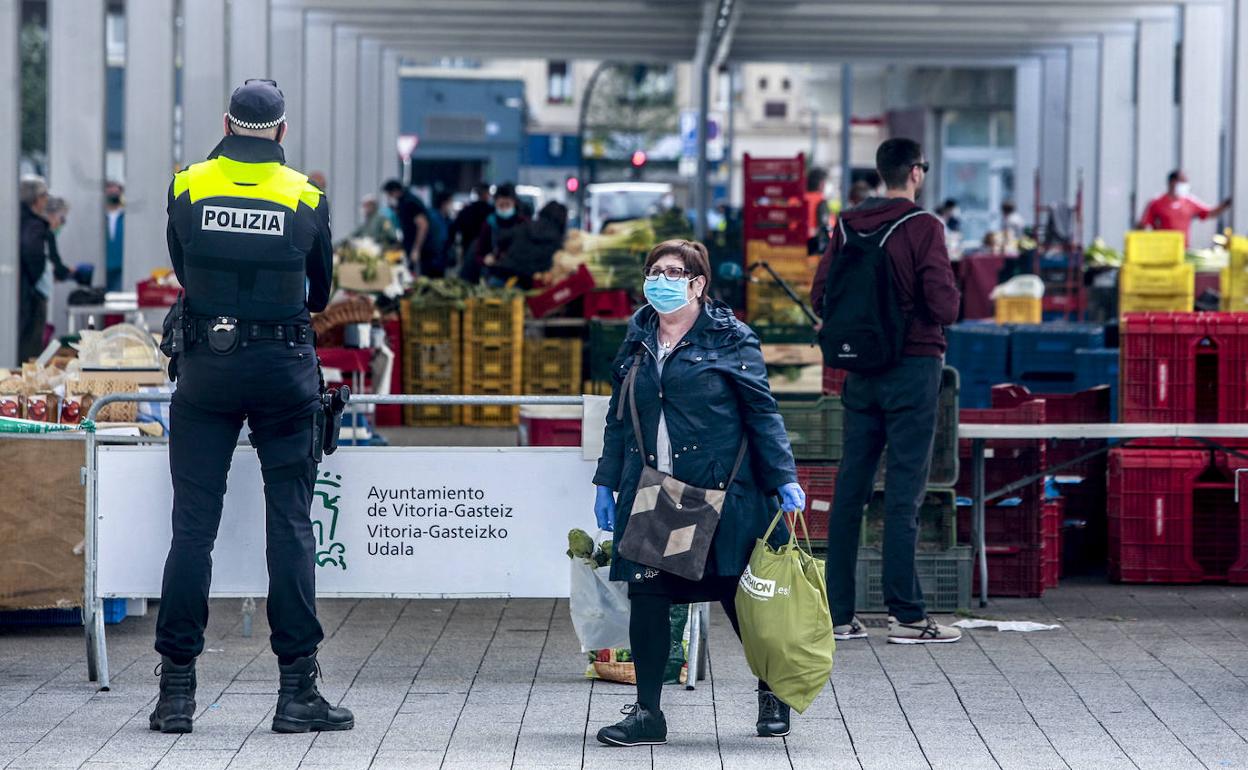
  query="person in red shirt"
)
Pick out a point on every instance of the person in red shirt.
point(1177, 208)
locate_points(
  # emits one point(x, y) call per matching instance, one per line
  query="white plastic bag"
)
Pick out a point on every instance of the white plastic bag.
point(1026, 285)
point(600, 607)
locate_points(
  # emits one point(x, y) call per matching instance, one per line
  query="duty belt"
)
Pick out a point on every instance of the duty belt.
point(205, 329)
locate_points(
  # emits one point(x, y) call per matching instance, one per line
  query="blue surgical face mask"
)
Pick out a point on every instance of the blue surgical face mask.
point(505, 213)
point(666, 295)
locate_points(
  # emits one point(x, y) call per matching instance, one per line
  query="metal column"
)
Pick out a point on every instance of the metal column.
point(286, 67)
point(76, 124)
point(149, 136)
point(1084, 100)
point(346, 119)
point(1200, 117)
point(205, 97)
point(1239, 133)
point(318, 78)
point(368, 107)
point(1156, 120)
point(10, 150)
point(1115, 150)
point(1028, 87)
point(847, 131)
point(702, 185)
point(249, 41)
point(1055, 118)
point(388, 125)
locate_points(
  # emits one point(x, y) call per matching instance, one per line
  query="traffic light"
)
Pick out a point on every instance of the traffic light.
point(639, 158)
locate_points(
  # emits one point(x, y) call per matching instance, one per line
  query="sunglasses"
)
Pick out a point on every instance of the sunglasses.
point(924, 165)
point(672, 273)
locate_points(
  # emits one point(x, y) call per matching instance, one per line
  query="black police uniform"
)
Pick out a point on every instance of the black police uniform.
point(250, 241)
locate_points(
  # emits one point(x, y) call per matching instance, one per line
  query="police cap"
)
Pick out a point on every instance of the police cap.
point(257, 104)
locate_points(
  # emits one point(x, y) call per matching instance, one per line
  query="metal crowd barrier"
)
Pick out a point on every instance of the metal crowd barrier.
point(93, 609)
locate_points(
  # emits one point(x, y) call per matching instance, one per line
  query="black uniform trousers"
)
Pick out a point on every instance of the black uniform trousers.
point(275, 389)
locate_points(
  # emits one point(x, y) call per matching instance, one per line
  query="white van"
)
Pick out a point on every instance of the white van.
point(618, 201)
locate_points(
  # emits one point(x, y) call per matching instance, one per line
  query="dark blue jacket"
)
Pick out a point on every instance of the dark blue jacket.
point(714, 392)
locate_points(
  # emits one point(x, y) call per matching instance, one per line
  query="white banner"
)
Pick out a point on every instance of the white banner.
point(389, 522)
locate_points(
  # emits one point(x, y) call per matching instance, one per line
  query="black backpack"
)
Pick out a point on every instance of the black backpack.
point(864, 329)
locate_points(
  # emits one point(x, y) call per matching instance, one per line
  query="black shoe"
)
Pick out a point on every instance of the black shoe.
point(300, 707)
point(175, 711)
point(639, 727)
point(774, 716)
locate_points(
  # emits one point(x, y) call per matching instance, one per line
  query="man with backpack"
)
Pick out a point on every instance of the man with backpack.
point(886, 291)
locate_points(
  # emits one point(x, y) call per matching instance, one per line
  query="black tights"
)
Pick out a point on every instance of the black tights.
point(650, 632)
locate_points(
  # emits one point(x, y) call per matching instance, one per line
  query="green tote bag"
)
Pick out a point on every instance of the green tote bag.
point(782, 603)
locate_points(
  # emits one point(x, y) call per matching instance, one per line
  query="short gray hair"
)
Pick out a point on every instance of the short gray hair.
point(30, 188)
point(56, 205)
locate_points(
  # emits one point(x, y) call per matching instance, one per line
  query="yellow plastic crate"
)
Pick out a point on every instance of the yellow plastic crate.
point(552, 367)
point(766, 301)
point(494, 361)
point(491, 415)
point(494, 319)
point(1239, 253)
point(1234, 282)
point(1142, 303)
point(1159, 248)
point(791, 263)
point(1019, 310)
point(1157, 281)
point(430, 322)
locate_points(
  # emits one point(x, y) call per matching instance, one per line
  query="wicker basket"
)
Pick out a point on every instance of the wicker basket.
point(356, 310)
point(624, 673)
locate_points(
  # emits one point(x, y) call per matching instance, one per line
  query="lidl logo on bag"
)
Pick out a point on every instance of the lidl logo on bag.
point(757, 587)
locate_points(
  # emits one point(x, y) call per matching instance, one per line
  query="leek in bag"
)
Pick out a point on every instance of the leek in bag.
point(786, 629)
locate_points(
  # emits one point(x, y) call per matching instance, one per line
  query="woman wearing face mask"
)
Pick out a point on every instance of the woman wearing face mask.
point(497, 233)
point(701, 390)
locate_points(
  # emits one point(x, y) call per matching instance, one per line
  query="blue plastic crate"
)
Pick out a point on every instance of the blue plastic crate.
point(1049, 349)
point(114, 612)
point(1099, 366)
point(975, 395)
point(979, 351)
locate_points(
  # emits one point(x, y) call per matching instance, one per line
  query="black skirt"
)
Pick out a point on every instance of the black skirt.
point(711, 588)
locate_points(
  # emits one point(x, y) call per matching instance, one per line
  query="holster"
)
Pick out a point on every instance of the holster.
point(333, 402)
point(173, 335)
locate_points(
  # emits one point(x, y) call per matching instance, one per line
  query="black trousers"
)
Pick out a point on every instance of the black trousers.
point(32, 318)
point(650, 631)
point(274, 389)
point(897, 408)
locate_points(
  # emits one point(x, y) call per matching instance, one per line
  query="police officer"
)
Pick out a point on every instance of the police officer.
point(249, 239)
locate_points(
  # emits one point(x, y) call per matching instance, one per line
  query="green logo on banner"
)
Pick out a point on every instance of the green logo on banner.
point(325, 495)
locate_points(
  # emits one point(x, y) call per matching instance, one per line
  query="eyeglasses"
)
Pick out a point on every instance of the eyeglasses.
point(924, 165)
point(672, 273)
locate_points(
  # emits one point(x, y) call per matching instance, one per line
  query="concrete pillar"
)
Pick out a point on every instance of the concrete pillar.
point(318, 101)
point(388, 162)
point(1239, 135)
point(10, 150)
point(286, 67)
point(1201, 120)
point(1155, 129)
point(205, 95)
point(1082, 148)
point(368, 151)
point(249, 41)
point(149, 133)
point(1055, 121)
point(1028, 78)
point(1117, 127)
point(76, 127)
point(346, 118)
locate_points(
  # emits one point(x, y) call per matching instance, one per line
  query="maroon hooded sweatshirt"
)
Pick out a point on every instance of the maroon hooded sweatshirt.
point(926, 291)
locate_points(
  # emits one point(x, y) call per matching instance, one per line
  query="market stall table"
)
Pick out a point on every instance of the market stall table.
point(978, 434)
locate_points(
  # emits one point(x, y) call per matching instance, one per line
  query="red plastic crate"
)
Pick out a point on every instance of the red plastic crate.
point(818, 481)
point(1150, 515)
point(561, 293)
point(1052, 522)
point(543, 431)
point(609, 304)
point(1014, 571)
point(1238, 573)
point(777, 237)
point(1217, 532)
point(392, 414)
point(152, 293)
point(768, 169)
point(1092, 405)
point(833, 381)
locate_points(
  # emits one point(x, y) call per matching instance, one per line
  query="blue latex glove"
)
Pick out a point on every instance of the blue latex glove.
point(792, 498)
point(604, 509)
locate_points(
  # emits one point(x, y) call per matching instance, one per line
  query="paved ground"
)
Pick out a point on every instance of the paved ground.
point(1138, 677)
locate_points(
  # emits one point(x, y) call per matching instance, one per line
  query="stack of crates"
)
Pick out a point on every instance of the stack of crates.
point(1043, 358)
point(981, 354)
point(1235, 277)
point(552, 367)
point(1185, 367)
point(1018, 310)
point(1154, 276)
point(431, 359)
point(776, 228)
point(493, 357)
point(1014, 526)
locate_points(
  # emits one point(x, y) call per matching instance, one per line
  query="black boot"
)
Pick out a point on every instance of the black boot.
point(175, 711)
point(640, 727)
point(300, 707)
point(773, 715)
